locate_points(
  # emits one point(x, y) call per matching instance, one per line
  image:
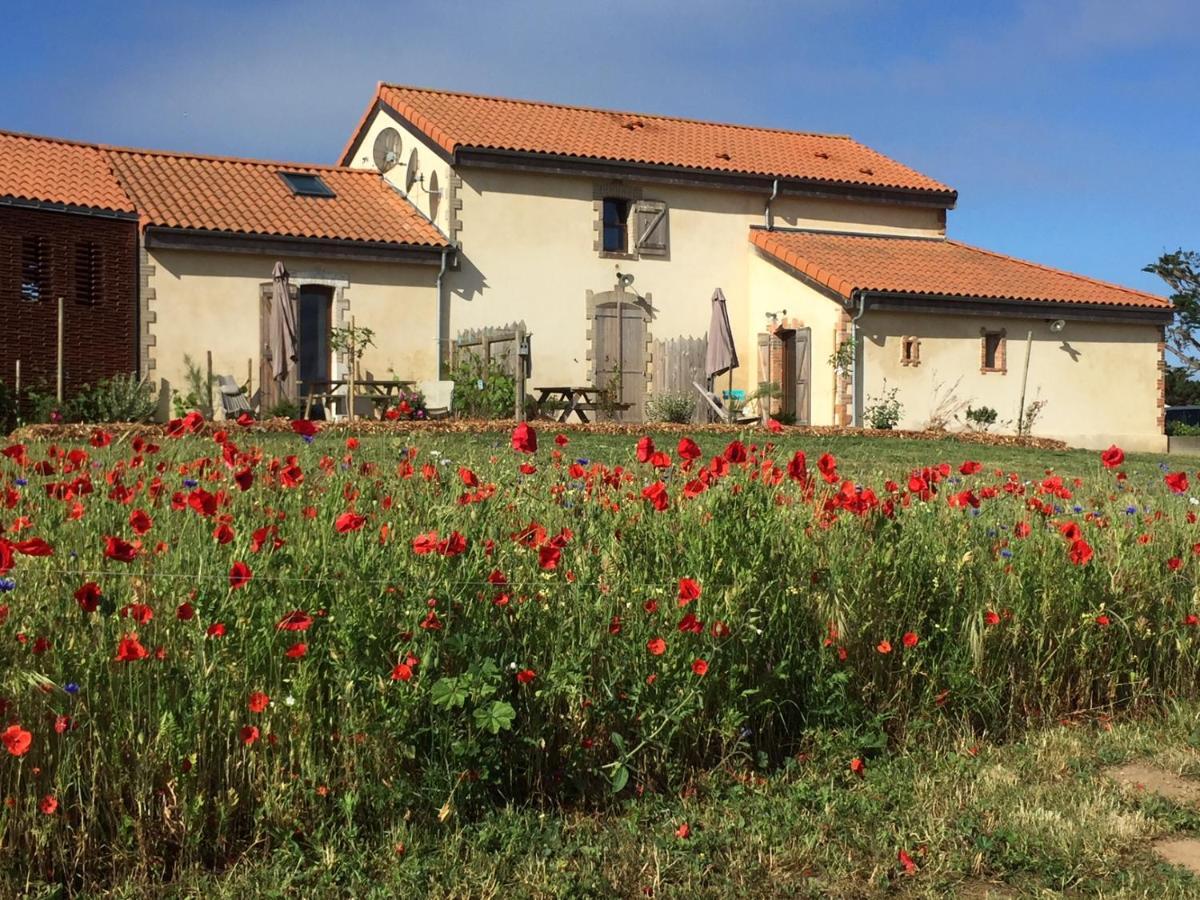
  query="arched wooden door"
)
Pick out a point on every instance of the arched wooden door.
point(619, 351)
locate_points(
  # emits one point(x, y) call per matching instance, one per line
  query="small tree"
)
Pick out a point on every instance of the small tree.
point(1181, 271)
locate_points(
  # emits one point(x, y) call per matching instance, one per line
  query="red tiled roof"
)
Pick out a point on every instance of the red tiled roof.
point(47, 170)
point(935, 267)
point(247, 196)
point(455, 120)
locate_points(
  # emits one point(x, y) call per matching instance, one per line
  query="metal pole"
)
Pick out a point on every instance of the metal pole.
point(58, 388)
point(1024, 382)
point(209, 411)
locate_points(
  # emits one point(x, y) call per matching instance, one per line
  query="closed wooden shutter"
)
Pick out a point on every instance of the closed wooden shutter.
point(651, 224)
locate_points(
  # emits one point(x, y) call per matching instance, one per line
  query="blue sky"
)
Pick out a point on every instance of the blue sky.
point(1067, 126)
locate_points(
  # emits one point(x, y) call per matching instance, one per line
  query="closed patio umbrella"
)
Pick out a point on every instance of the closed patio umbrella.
point(722, 355)
point(282, 334)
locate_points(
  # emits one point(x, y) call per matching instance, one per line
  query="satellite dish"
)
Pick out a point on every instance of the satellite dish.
point(1057, 325)
point(386, 152)
point(411, 176)
point(434, 194)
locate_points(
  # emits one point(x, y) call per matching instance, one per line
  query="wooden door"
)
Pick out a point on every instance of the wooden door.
point(619, 355)
point(800, 375)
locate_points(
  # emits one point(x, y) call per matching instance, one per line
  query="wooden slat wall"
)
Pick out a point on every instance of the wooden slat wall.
point(677, 363)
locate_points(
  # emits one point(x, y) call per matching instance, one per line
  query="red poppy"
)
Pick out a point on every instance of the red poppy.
point(239, 575)
point(524, 438)
point(297, 651)
point(910, 639)
point(548, 557)
point(700, 667)
point(1112, 457)
point(304, 427)
point(130, 649)
point(1022, 529)
point(905, 860)
point(684, 831)
point(774, 426)
point(561, 440)
point(140, 521)
point(1103, 621)
point(858, 767)
point(657, 495)
point(1080, 553)
point(216, 629)
point(48, 805)
point(349, 521)
point(689, 590)
point(249, 734)
point(687, 449)
point(100, 438)
point(185, 612)
point(827, 466)
point(735, 452)
point(991, 617)
point(1174, 564)
point(296, 620)
point(88, 597)
point(657, 646)
point(245, 420)
point(120, 550)
point(402, 672)
point(970, 467)
point(645, 449)
point(1177, 482)
point(525, 676)
point(884, 646)
point(258, 702)
point(16, 740)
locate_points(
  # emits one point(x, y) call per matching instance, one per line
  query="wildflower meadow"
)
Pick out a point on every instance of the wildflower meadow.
point(217, 639)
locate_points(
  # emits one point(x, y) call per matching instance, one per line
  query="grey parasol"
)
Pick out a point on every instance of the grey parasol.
point(282, 334)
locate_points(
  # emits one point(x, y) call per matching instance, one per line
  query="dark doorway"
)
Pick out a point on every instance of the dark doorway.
point(313, 320)
point(796, 375)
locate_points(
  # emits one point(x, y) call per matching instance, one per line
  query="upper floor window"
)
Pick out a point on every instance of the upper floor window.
point(35, 269)
point(616, 225)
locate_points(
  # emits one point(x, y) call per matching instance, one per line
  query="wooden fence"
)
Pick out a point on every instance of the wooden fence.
point(491, 344)
point(677, 363)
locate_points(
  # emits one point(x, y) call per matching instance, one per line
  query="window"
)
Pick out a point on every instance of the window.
point(910, 351)
point(993, 347)
point(35, 270)
point(616, 225)
point(87, 273)
point(306, 185)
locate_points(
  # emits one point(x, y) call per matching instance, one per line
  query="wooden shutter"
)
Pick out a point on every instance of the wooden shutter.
point(652, 236)
point(267, 386)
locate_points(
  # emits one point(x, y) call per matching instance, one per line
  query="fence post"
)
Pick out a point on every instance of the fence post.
point(209, 411)
point(519, 380)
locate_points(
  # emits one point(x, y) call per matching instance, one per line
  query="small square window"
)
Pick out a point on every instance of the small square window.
point(304, 184)
point(616, 225)
point(910, 351)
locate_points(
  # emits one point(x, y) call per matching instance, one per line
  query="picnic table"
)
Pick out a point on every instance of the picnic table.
point(382, 394)
point(577, 399)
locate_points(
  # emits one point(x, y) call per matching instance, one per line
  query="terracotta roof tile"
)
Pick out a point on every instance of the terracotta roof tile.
point(935, 267)
point(47, 170)
point(247, 196)
point(455, 120)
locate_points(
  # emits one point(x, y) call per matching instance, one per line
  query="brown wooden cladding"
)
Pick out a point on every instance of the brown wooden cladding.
point(89, 261)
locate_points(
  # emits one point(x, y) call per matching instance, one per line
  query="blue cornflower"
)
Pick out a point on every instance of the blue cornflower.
point(190, 482)
point(1058, 509)
point(583, 462)
point(307, 438)
point(974, 512)
point(71, 687)
point(1078, 509)
point(20, 482)
point(7, 584)
point(1131, 510)
point(992, 532)
point(1006, 553)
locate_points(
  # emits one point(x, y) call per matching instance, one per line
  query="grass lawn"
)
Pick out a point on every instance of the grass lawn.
point(1033, 818)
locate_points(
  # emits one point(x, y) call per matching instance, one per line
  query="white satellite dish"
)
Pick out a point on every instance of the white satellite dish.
point(386, 151)
point(411, 175)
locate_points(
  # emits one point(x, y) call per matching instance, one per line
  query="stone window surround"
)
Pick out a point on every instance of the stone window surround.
point(621, 191)
point(910, 350)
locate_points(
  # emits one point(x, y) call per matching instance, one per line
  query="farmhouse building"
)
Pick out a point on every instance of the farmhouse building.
point(605, 233)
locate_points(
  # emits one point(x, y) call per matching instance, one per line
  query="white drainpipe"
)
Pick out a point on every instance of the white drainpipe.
point(856, 376)
point(443, 317)
point(768, 222)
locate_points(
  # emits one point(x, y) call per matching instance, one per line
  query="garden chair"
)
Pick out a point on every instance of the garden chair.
point(233, 398)
point(439, 398)
point(721, 410)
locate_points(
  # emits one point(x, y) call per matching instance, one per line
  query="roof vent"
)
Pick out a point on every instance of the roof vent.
point(866, 171)
point(634, 124)
point(821, 154)
point(724, 154)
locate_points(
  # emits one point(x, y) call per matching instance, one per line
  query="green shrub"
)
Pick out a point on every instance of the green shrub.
point(122, 398)
point(482, 391)
point(981, 417)
point(677, 408)
point(883, 412)
point(1182, 429)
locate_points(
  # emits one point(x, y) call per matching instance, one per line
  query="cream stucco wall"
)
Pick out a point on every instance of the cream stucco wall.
point(435, 207)
point(210, 301)
point(527, 253)
point(775, 289)
point(1099, 380)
